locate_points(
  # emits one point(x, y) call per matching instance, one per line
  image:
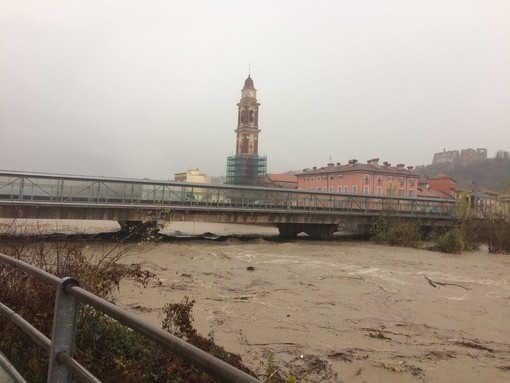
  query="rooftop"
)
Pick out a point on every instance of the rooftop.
point(372, 166)
point(248, 83)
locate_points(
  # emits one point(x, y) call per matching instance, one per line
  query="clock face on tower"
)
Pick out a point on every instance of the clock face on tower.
point(251, 93)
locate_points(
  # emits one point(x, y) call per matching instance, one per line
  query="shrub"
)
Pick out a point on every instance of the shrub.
point(109, 350)
point(395, 231)
point(450, 241)
point(497, 235)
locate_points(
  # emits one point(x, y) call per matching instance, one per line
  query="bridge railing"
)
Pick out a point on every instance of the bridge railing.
point(62, 366)
point(44, 188)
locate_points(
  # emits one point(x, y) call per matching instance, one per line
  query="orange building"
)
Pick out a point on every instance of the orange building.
point(356, 178)
point(444, 183)
point(287, 181)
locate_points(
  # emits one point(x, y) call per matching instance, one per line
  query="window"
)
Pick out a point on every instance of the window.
point(390, 178)
point(331, 178)
point(365, 190)
point(346, 189)
point(379, 180)
point(366, 177)
point(411, 193)
point(324, 188)
point(318, 178)
point(401, 181)
point(355, 189)
point(340, 177)
point(311, 179)
point(400, 192)
point(411, 181)
point(306, 179)
point(379, 190)
point(331, 188)
point(339, 189)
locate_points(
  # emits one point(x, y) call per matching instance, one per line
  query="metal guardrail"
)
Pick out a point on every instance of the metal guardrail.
point(61, 363)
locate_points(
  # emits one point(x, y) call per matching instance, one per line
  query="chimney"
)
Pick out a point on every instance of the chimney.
point(400, 166)
point(386, 163)
point(331, 164)
point(314, 168)
point(352, 162)
point(338, 164)
point(410, 167)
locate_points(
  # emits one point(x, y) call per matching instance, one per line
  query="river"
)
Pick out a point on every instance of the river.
point(331, 311)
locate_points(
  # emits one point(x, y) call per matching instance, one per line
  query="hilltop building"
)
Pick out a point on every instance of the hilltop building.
point(247, 167)
point(469, 155)
point(356, 178)
point(445, 156)
point(464, 156)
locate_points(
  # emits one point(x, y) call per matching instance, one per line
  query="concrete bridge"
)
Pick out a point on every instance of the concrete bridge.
point(151, 203)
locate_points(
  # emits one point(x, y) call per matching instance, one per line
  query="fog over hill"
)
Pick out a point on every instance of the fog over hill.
point(490, 174)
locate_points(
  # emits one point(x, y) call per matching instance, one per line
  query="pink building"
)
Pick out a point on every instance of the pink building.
point(356, 178)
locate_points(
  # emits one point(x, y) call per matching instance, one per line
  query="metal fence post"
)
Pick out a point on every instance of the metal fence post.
point(64, 326)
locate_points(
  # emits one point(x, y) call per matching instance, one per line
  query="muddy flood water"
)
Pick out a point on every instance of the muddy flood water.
point(336, 311)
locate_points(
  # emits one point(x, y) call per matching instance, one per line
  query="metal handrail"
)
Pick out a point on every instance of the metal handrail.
point(68, 190)
point(10, 370)
point(191, 354)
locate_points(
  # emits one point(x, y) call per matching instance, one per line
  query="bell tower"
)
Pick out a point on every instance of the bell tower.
point(248, 120)
point(246, 167)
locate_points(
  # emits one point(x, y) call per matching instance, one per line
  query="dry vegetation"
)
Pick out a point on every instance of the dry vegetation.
point(109, 350)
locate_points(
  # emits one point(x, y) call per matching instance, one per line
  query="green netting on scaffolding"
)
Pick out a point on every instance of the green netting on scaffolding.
point(243, 169)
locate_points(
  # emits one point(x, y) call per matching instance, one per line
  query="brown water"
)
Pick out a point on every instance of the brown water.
point(339, 311)
point(333, 311)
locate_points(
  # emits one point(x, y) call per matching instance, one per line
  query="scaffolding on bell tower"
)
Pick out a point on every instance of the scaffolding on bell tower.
point(245, 169)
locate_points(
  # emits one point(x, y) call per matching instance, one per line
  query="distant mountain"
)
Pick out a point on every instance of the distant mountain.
point(490, 174)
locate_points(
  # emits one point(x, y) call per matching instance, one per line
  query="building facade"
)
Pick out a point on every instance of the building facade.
point(247, 167)
point(193, 176)
point(287, 181)
point(464, 156)
point(356, 178)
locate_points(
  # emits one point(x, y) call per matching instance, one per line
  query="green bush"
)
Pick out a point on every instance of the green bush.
point(450, 241)
point(395, 231)
point(497, 235)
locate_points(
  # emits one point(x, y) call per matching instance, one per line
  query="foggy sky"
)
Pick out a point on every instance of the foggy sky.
point(149, 88)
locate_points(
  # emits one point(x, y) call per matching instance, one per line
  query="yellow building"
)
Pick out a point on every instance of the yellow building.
point(192, 175)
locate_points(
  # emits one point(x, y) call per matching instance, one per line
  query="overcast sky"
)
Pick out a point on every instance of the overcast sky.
point(149, 88)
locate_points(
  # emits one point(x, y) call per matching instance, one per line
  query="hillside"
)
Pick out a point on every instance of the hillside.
point(491, 174)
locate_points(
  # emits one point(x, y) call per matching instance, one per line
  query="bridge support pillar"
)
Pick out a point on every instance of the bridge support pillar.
point(139, 229)
point(316, 231)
